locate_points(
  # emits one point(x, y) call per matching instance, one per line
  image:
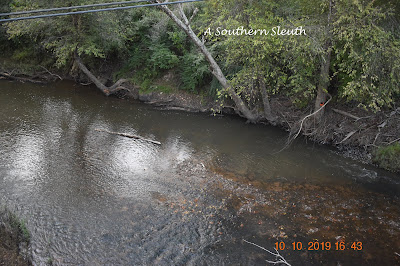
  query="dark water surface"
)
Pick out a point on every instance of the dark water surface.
point(92, 198)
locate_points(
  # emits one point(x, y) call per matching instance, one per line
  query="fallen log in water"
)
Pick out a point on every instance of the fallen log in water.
point(4, 75)
point(129, 136)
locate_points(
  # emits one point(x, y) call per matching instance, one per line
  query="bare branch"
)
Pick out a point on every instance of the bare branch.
point(248, 242)
point(394, 141)
point(279, 259)
point(118, 83)
point(51, 73)
point(193, 15)
point(349, 136)
point(182, 14)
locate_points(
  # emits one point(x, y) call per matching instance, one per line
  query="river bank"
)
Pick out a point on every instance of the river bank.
point(14, 240)
point(371, 138)
point(355, 132)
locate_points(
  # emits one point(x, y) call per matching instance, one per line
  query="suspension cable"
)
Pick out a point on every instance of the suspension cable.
point(97, 10)
point(70, 7)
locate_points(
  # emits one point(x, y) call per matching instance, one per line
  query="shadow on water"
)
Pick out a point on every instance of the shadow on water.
point(94, 198)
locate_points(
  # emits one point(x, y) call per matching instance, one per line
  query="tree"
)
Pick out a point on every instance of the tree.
point(367, 49)
point(357, 45)
point(256, 70)
point(184, 24)
point(70, 37)
point(4, 8)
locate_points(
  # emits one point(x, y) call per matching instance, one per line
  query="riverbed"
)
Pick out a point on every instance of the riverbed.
point(93, 198)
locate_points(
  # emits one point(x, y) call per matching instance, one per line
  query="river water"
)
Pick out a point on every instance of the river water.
point(93, 198)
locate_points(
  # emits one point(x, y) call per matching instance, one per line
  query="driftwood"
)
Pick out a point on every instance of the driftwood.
point(161, 103)
point(177, 108)
point(348, 136)
point(346, 114)
point(20, 79)
point(107, 91)
point(393, 141)
point(129, 136)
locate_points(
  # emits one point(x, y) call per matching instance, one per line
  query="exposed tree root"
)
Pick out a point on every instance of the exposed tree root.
point(292, 137)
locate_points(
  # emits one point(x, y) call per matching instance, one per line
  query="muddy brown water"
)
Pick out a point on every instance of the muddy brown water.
point(92, 198)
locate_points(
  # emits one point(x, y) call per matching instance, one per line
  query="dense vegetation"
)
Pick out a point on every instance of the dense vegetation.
point(352, 48)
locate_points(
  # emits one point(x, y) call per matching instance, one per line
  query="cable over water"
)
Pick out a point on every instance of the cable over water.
point(88, 11)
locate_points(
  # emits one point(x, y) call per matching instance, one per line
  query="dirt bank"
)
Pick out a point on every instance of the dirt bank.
point(355, 132)
point(14, 240)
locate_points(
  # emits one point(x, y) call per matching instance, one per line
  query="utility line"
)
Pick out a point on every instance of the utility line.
point(97, 10)
point(70, 7)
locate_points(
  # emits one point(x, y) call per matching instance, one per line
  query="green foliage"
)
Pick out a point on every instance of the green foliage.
point(23, 54)
point(368, 56)
point(364, 39)
point(159, 46)
point(93, 34)
point(251, 58)
point(149, 87)
point(163, 58)
point(388, 157)
point(194, 69)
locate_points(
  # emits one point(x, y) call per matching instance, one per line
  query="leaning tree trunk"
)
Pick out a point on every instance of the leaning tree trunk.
point(106, 90)
point(216, 70)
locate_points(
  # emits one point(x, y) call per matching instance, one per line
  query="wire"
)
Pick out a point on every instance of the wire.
point(97, 10)
point(70, 7)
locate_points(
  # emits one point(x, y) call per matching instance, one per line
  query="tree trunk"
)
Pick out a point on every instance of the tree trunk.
point(215, 69)
point(324, 81)
point(267, 106)
point(107, 91)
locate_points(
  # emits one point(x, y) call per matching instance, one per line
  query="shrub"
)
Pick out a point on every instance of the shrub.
point(194, 70)
point(388, 157)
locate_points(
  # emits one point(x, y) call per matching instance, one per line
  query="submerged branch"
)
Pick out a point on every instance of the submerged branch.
point(20, 79)
point(129, 136)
